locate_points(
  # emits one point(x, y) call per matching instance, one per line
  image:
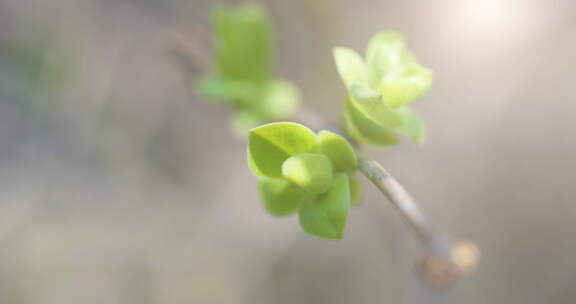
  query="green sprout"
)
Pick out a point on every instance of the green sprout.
point(305, 172)
point(309, 173)
point(379, 90)
point(243, 74)
point(312, 173)
point(299, 170)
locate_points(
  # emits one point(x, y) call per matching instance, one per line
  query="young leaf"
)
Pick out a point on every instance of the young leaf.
point(404, 85)
point(312, 172)
point(279, 99)
point(371, 104)
point(243, 42)
point(364, 130)
point(339, 151)
point(221, 89)
point(412, 125)
point(355, 191)
point(385, 50)
point(326, 216)
point(350, 65)
point(252, 165)
point(385, 41)
point(271, 144)
point(281, 197)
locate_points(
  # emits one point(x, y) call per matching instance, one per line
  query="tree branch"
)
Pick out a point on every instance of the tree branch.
point(446, 260)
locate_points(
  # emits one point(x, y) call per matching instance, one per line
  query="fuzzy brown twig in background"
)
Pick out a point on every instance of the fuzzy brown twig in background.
point(191, 49)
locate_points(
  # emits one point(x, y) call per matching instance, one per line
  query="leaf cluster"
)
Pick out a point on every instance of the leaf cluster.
point(302, 171)
point(243, 76)
point(299, 170)
point(380, 87)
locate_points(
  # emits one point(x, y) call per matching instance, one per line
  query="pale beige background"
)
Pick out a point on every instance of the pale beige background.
point(123, 187)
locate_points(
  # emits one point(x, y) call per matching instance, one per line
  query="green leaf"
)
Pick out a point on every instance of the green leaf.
point(370, 103)
point(350, 65)
point(412, 125)
point(242, 42)
point(394, 71)
point(312, 172)
point(279, 99)
point(326, 216)
point(281, 197)
point(405, 85)
point(339, 151)
point(385, 41)
point(355, 191)
point(364, 130)
point(252, 165)
point(385, 50)
point(220, 89)
point(271, 144)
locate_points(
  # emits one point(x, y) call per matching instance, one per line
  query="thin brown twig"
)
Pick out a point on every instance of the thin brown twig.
point(192, 49)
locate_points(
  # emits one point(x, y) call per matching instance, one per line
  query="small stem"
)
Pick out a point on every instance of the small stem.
point(445, 261)
point(400, 198)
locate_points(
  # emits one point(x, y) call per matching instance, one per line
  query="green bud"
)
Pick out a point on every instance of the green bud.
point(312, 172)
point(272, 144)
point(355, 192)
point(281, 197)
point(339, 151)
point(326, 216)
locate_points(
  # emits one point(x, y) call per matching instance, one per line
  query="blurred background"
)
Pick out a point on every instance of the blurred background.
point(119, 185)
